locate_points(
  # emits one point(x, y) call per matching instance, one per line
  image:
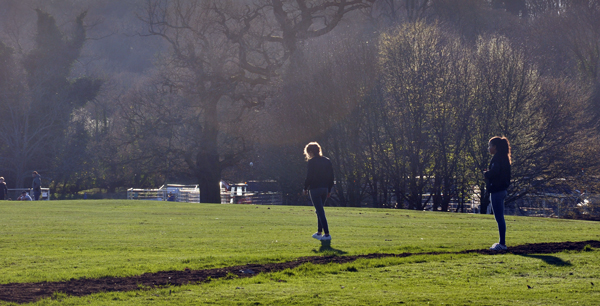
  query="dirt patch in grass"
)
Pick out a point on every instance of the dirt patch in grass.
point(31, 292)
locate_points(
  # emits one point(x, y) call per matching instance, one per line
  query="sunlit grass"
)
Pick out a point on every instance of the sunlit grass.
point(60, 240)
point(558, 279)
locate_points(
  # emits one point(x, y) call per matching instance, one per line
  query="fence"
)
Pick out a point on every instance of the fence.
point(261, 198)
point(189, 195)
point(14, 193)
point(558, 205)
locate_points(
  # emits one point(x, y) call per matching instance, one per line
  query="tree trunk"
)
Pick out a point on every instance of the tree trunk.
point(339, 190)
point(20, 175)
point(437, 192)
point(448, 194)
point(446, 198)
point(399, 195)
point(209, 174)
point(374, 192)
point(353, 192)
point(208, 167)
point(485, 200)
point(386, 199)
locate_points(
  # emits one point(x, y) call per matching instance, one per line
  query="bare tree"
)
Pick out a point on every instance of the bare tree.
point(223, 50)
point(34, 124)
point(413, 60)
point(565, 42)
point(399, 11)
point(517, 103)
point(448, 125)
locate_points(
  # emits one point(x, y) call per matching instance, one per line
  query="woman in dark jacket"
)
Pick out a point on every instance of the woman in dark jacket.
point(319, 181)
point(498, 180)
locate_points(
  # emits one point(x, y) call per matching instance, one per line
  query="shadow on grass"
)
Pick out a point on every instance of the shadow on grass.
point(327, 249)
point(551, 260)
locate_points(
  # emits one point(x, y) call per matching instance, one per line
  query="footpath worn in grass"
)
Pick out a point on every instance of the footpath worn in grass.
point(558, 279)
point(60, 240)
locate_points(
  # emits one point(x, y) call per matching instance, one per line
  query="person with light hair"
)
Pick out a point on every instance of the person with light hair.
point(318, 184)
point(3, 189)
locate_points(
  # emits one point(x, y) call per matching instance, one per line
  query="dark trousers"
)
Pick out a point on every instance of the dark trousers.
point(318, 196)
point(497, 199)
point(37, 194)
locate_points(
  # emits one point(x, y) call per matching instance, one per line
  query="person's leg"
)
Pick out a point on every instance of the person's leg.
point(323, 218)
point(316, 201)
point(319, 224)
point(317, 197)
point(497, 199)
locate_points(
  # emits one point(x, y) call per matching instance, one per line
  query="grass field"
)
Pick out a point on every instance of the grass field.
point(60, 240)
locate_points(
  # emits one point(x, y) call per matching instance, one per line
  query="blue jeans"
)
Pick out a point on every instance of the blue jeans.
point(37, 194)
point(318, 196)
point(497, 199)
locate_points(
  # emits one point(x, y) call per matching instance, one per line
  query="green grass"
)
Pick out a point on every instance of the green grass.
point(60, 240)
point(436, 280)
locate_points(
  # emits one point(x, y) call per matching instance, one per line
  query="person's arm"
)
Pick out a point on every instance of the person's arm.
point(309, 176)
point(494, 170)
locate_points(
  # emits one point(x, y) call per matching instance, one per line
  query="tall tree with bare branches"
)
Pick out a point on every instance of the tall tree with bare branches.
point(34, 122)
point(227, 52)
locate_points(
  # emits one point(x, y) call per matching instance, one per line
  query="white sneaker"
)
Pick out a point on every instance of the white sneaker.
point(326, 238)
point(498, 247)
point(317, 236)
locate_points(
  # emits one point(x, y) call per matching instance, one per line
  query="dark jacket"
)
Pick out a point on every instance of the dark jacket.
point(3, 191)
point(498, 175)
point(37, 183)
point(319, 174)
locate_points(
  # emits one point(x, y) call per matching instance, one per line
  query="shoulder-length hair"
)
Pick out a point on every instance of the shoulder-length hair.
point(314, 148)
point(502, 146)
